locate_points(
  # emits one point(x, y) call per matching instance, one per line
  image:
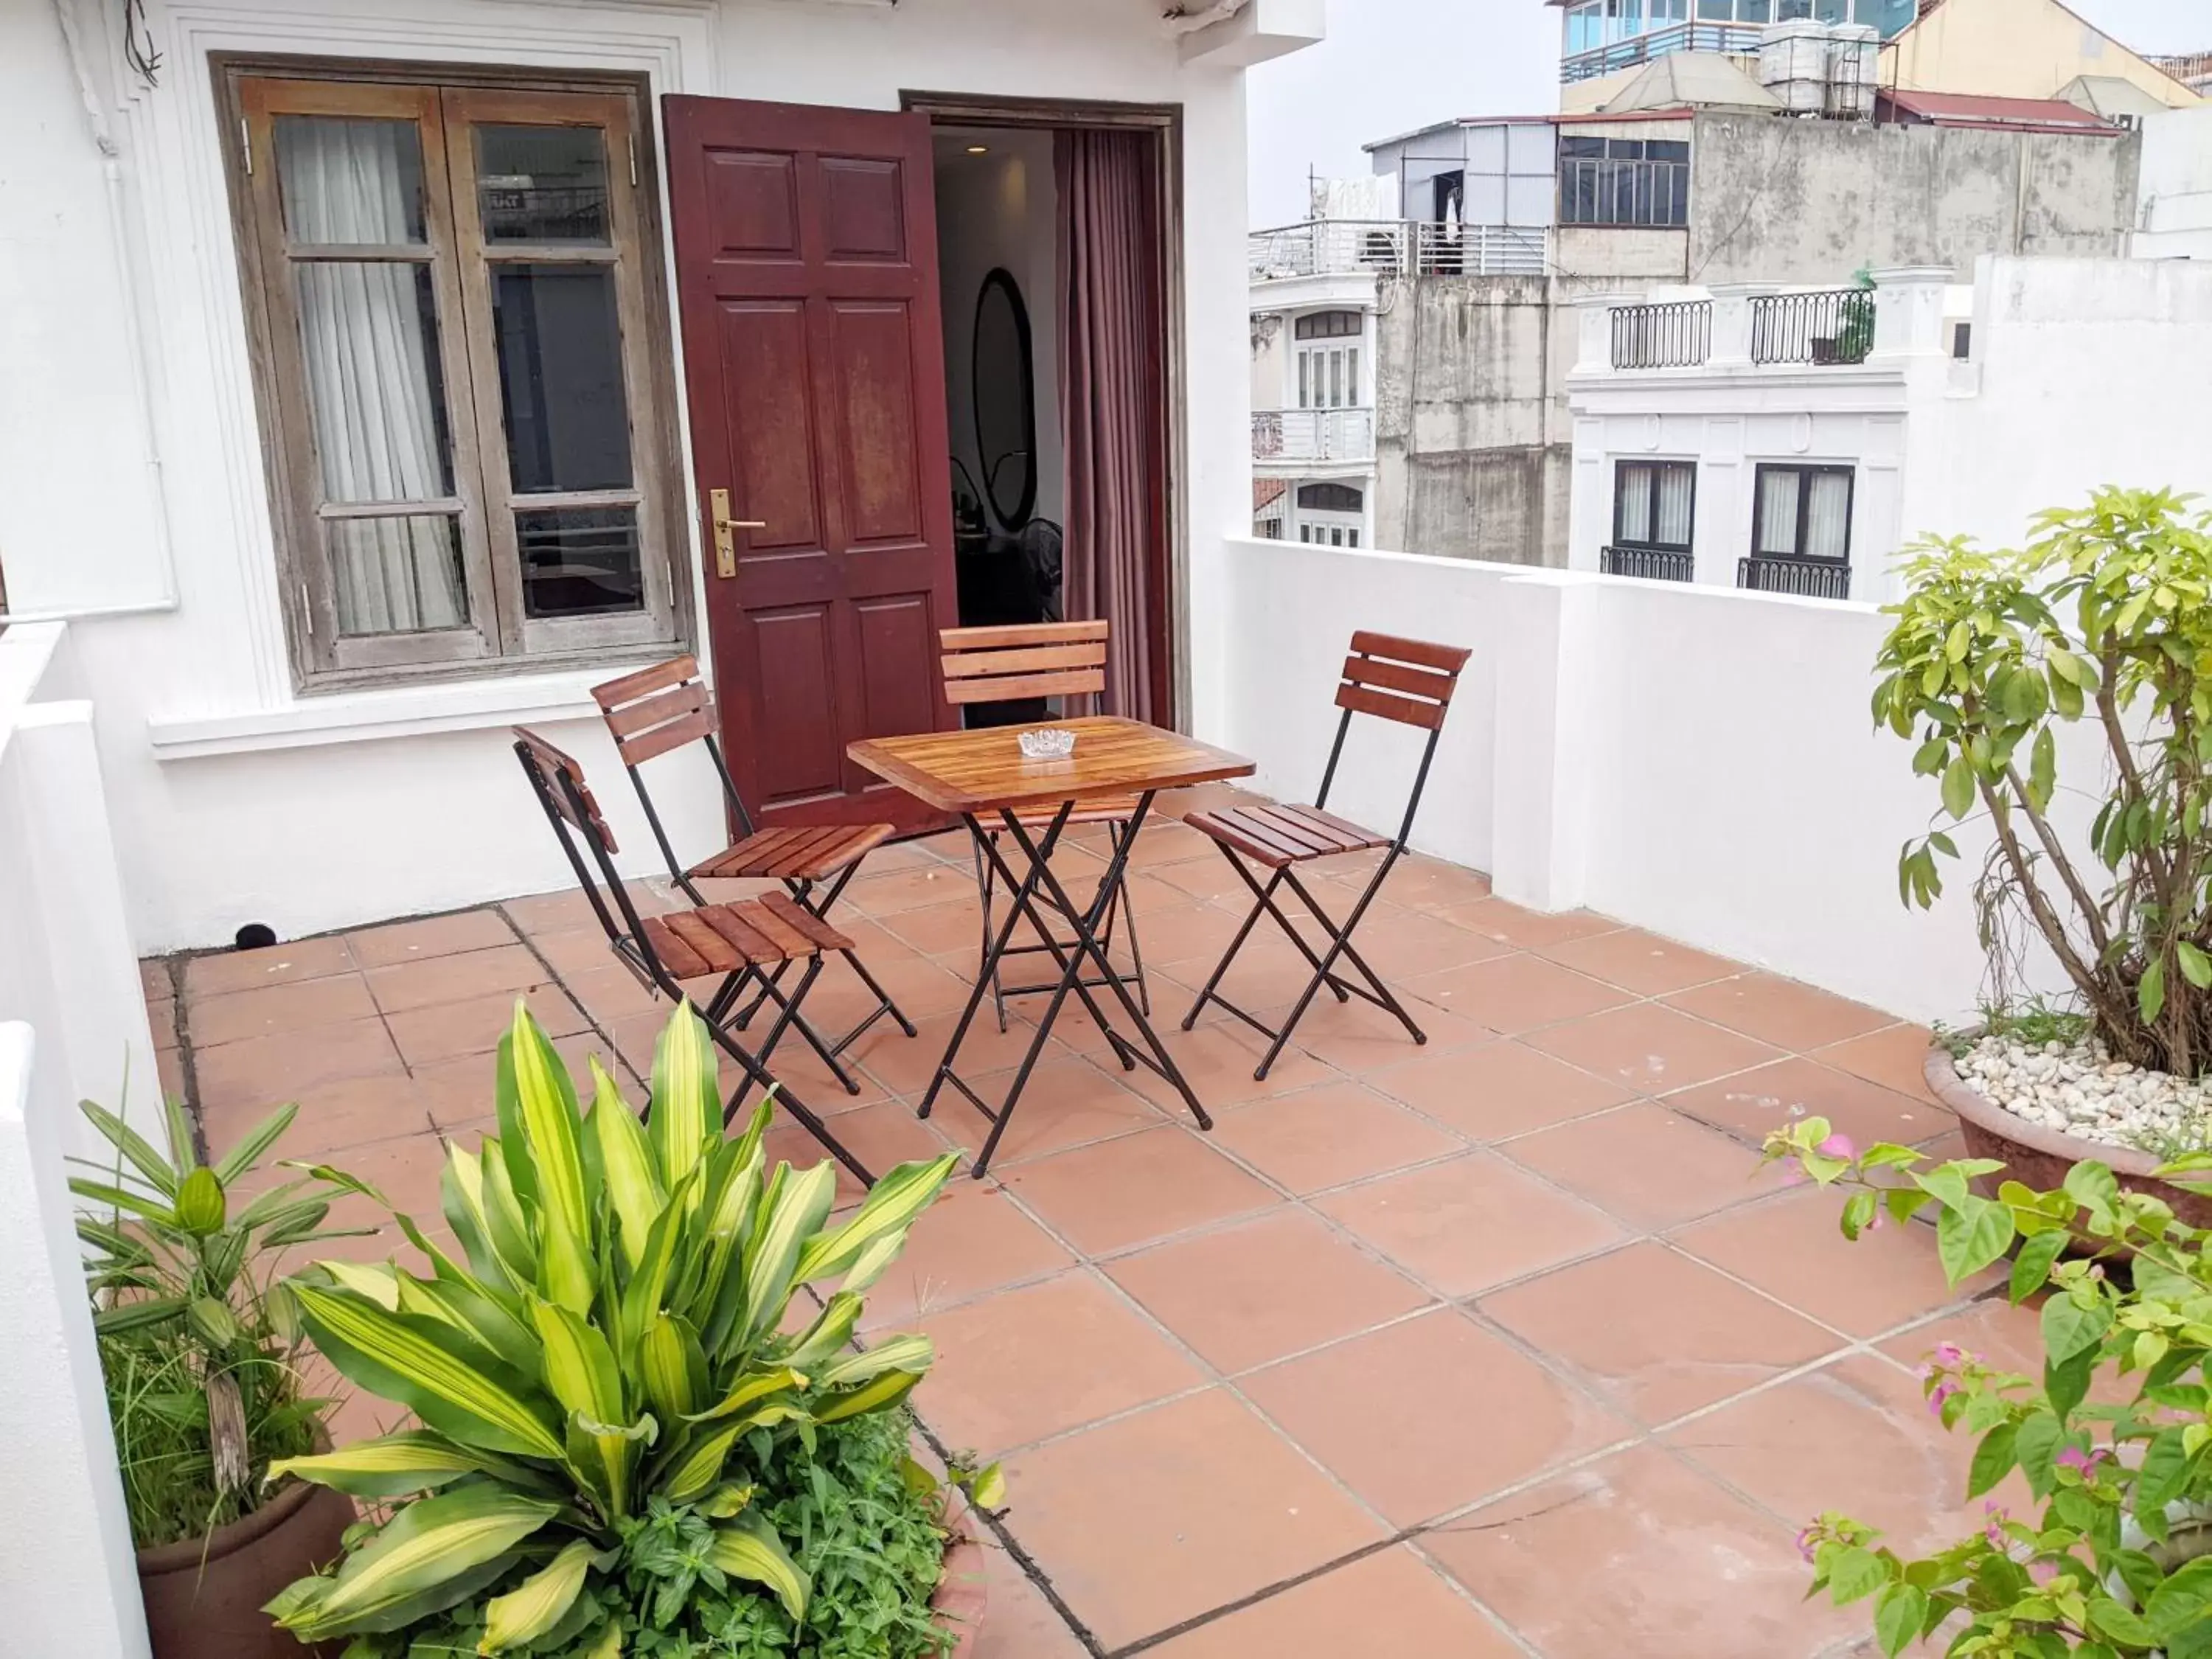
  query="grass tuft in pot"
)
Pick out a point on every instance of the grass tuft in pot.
point(637, 1438)
point(197, 1337)
point(2102, 622)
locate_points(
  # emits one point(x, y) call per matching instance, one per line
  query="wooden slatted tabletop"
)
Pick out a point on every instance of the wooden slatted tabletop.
point(984, 770)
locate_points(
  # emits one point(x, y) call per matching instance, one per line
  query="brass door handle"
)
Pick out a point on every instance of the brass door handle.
point(726, 529)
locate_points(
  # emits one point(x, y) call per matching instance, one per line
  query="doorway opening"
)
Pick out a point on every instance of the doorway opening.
point(1054, 284)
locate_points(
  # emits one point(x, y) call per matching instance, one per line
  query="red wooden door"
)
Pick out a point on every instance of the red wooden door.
point(814, 362)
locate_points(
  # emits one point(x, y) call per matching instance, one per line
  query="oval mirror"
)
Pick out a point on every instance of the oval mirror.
point(1005, 400)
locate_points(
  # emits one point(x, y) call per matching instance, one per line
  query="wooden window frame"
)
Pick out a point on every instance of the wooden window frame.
point(447, 101)
point(1806, 471)
point(1621, 539)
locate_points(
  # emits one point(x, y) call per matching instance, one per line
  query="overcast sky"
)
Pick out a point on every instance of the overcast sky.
point(1391, 65)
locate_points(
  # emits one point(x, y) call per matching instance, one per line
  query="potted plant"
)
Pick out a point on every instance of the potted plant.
point(2098, 631)
point(637, 1437)
point(2116, 1558)
point(197, 1345)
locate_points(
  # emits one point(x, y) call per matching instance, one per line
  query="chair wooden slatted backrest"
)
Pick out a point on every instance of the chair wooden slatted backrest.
point(1408, 681)
point(1032, 660)
point(550, 768)
point(657, 709)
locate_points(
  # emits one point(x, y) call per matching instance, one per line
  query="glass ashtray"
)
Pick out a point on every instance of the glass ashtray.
point(1052, 744)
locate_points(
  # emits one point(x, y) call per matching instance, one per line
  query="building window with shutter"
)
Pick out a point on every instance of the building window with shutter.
point(458, 315)
point(1803, 513)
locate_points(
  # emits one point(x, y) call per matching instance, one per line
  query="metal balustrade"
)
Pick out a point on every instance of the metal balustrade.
point(1653, 563)
point(1833, 326)
point(1312, 435)
point(1672, 334)
point(1739, 40)
point(1395, 247)
point(1812, 579)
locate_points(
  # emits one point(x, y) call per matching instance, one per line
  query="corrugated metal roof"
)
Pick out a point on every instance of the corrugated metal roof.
point(1966, 109)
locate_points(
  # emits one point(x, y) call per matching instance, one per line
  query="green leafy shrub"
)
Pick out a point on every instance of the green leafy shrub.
point(197, 1337)
point(2117, 1559)
point(2102, 621)
point(629, 1445)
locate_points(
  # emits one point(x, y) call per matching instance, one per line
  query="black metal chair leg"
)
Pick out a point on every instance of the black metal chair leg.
point(1236, 944)
point(755, 1074)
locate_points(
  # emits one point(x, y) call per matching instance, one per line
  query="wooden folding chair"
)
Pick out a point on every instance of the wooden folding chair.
point(1065, 660)
point(664, 708)
point(749, 943)
point(1401, 680)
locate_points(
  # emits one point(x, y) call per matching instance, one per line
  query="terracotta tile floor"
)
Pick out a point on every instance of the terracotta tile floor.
point(1494, 1346)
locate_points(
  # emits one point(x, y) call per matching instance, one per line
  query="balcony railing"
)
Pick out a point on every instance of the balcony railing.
point(1675, 334)
point(1293, 435)
point(1740, 39)
point(1656, 564)
point(1812, 579)
point(1393, 248)
point(1833, 326)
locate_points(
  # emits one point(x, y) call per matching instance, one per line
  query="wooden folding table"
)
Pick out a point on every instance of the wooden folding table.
point(982, 773)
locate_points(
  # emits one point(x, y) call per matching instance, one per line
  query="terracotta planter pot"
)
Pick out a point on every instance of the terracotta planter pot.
point(2039, 1158)
point(203, 1596)
point(961, 1590)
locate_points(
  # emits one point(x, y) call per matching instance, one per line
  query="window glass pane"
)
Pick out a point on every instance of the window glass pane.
point(1777, 512)
point(1754, 11)
point(1786, 11)
point(1351, 377)
point(1582, 146)
point(1831, 11)
point(559, 372)
point(542, 183)
point(398, 576)
point(1715, 11)
point(1351, 538)
point(1336, 379)
point(1632, 512)
point(1668, 150)
point(369, 337)
point(1673, 527)
point(1828, 516)
point(347, 180)
point(1305, 368)
point(580, 560)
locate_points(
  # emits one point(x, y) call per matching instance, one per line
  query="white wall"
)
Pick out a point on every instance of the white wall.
point(233, 799)
point(2174, 190)
point(2085, 372)
point(999, 211)
point(1695, 760)
point(68, 1579)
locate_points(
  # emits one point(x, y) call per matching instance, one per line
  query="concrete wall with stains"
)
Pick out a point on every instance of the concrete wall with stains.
point(1813, 201)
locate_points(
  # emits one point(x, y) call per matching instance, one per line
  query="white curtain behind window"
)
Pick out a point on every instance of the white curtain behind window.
point(1828, 517)
point(1674, 488)
point(1632, 514)
point(368, 359)
point(1777, 512)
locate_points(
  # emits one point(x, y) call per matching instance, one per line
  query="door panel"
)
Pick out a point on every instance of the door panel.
point(807, 272)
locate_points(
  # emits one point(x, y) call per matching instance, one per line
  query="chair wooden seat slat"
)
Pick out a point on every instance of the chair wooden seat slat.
point(1410, 681)
point(749, 942)
point(657, 710)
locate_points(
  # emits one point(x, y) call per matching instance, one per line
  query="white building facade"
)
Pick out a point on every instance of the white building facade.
point(141, 493)
point(1744, 436)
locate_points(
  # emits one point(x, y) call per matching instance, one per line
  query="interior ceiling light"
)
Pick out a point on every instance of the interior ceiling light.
point(979, 150)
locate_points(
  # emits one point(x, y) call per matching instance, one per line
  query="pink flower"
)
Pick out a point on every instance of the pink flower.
point(1838, 1146)
point(2083, 1463)
point(1942, 1391)
point(1993, 1529)
point(1949, 1353)
point(1805, 1545)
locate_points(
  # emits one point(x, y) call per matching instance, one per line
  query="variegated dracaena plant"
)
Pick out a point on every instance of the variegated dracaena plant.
point(614, 1343)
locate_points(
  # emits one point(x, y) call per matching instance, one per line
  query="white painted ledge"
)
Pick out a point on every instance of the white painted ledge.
point(375, 716)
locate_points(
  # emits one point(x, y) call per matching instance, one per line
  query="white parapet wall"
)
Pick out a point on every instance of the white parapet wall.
point(67, 1581)
point(1697, 761)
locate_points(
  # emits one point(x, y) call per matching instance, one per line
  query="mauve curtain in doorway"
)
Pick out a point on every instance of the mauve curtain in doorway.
point(1112, 416)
